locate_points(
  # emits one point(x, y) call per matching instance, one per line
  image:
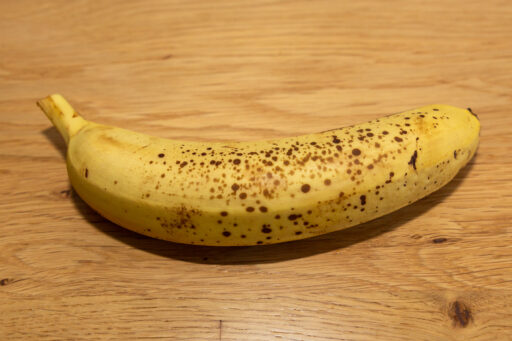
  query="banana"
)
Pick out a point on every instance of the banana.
point(264, 192)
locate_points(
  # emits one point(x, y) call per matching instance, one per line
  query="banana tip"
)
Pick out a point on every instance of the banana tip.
point(472, 113)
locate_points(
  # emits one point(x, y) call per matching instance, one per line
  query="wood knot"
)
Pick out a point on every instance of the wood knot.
point(65, 193)
point(460, 314)
point(5, 281)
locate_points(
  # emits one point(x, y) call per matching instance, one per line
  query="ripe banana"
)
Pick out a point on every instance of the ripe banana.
point(264, 192)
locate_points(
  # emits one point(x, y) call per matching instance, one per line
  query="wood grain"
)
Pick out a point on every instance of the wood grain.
point(440, 269)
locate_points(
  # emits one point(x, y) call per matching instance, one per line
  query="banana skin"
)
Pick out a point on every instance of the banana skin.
point(264, 192)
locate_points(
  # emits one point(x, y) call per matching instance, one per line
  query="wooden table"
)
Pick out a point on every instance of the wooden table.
point(440, 269)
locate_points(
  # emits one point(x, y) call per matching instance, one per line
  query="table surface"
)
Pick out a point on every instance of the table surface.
point(440, 269)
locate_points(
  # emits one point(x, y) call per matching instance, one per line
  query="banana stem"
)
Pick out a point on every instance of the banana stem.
point(67, 121)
